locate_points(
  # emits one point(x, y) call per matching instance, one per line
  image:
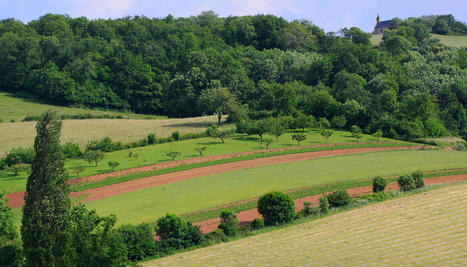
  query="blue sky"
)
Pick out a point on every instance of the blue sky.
point(331, 15)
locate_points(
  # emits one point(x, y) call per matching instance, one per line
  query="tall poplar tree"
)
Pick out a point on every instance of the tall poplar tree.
point(45, 225)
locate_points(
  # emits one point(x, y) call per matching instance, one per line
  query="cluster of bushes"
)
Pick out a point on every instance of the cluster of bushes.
point(77, 117)
point(410, 182)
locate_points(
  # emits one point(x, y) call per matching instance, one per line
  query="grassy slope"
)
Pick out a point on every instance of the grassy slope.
point(156, 153)
point(214, 190)
point(455, 41)
point(16, 107)
point(423, 229)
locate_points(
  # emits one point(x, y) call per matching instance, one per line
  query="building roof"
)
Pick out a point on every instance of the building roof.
point(383, 24)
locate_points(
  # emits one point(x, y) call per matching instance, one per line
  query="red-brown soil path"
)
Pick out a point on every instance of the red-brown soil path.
point(16, 200)
point(247, 216)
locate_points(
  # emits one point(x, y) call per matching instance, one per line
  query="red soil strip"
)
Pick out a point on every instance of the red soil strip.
point(171, 164)
point(16, 200)
point(245, 217)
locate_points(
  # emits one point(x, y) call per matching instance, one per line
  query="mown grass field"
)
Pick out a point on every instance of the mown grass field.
point(454, 41)
point(157, 153)
point(149, 204)
point(82, 131)
point(419, 230)
point(17, 106)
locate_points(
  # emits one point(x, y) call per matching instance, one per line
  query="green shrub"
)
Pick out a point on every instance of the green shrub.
point(105, 145)
point(229, 223)
point(113, 164)
point(151, 139)
point(138, 239)
point(324, 204)
point(379, 184)
point(406, 182)
point(19, 155)
point(309, 210)
point(418, 179)
point(176, 136)
point(257, 224)
point(72, 150)
point(338, 121)
point(11, 254)
point(339, 198)
point(377, 197)
point(216, 236)
point(177, 233)
point(276, 208)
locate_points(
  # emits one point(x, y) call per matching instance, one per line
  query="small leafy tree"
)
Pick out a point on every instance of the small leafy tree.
point(229, 223)
point(215, 132)
point(309, 210)
point(418, 179)
point(200, 150)
point(406, 182)
point(78, 169)
point(276, 208)
point(17, 168)
point(339, 198)
point(324, 204)
point(175, 136)
point(379, 184)
point(259, 127)
point(356, 132)
point(338, 122)
point(173, 154)
point(177, 233)
point(257, 224)
point(276, 129)
point(113, 164)
point(326, 134)
point(218, 100)
point(299, 138)
point(93, 155)
point(378, 134)
point(151, 139)
point(324, 123)
point(267, 141)
point(303, 121)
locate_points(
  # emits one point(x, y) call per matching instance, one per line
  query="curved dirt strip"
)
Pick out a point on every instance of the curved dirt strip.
point(170, 164)
point(17, 199)
point(247, 216)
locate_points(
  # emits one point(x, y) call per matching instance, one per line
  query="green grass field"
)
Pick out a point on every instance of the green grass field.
point(454, 41)
point(17, 106)
point(425, 229)
point(148, 204)
point(157, 153)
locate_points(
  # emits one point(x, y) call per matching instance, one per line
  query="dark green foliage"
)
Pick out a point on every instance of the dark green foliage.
point(377, 197)
point(379, 184)
point(229, 223)
point(19, 155)
point(277, 129)
point(10, 248)
point(94, 241)
point(324, 204)
point(299, 138)
point(93, 155)
point(177, 233)
point(338, 198)
point(113, 164)
point(406, 182)
point(216, 236)
point(259, 127)
point(138, 239)
point(45, 224)
point(323, 123)
point(151, 139)
point(11, 254)
point(176, 136)
point(276, 208)
point(338, 121)
point(105, 145)
point(173, 154)
point(418, 179)
point(72, 150)
point(257, 224)
point(309, 210)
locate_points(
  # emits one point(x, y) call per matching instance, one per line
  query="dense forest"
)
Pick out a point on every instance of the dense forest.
point(410, 86)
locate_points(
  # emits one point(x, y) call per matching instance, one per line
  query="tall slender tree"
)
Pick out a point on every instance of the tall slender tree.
point(45, 226)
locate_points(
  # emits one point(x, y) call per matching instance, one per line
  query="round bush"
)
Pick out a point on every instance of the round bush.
point(276, 208)
point(406, 182)
point(379, 184)
point(324, 204)
point(229, 223)
point(418, 179)
point(171, 226)
point(339, 198)
point(257, 224)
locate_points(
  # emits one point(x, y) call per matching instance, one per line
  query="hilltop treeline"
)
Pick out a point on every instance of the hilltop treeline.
point(409, 86)
point(439, 24)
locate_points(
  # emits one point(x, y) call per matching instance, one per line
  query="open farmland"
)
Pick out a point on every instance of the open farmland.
point(420, 230)
point(17, 106)
point(214, 190)
point(449, 40)
point(82, 131)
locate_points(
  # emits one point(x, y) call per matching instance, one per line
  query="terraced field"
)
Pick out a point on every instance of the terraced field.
point(424, 229)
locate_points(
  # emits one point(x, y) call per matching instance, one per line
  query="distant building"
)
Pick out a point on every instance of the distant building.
point(381, 26)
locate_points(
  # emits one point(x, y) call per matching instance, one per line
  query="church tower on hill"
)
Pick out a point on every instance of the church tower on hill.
point(381, 26)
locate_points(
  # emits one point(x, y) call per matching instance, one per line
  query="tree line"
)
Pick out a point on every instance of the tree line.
point(409, 86)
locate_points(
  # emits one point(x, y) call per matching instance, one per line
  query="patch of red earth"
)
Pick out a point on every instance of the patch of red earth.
point(17, 199)
point(245, 217)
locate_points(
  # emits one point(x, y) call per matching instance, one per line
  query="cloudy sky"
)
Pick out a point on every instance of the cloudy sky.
point(331, 15)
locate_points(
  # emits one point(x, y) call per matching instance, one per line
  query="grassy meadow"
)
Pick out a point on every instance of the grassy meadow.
point(157, 153)
point(211, 191)
point(17, 106)
point(449, 40)
point(425, 229)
